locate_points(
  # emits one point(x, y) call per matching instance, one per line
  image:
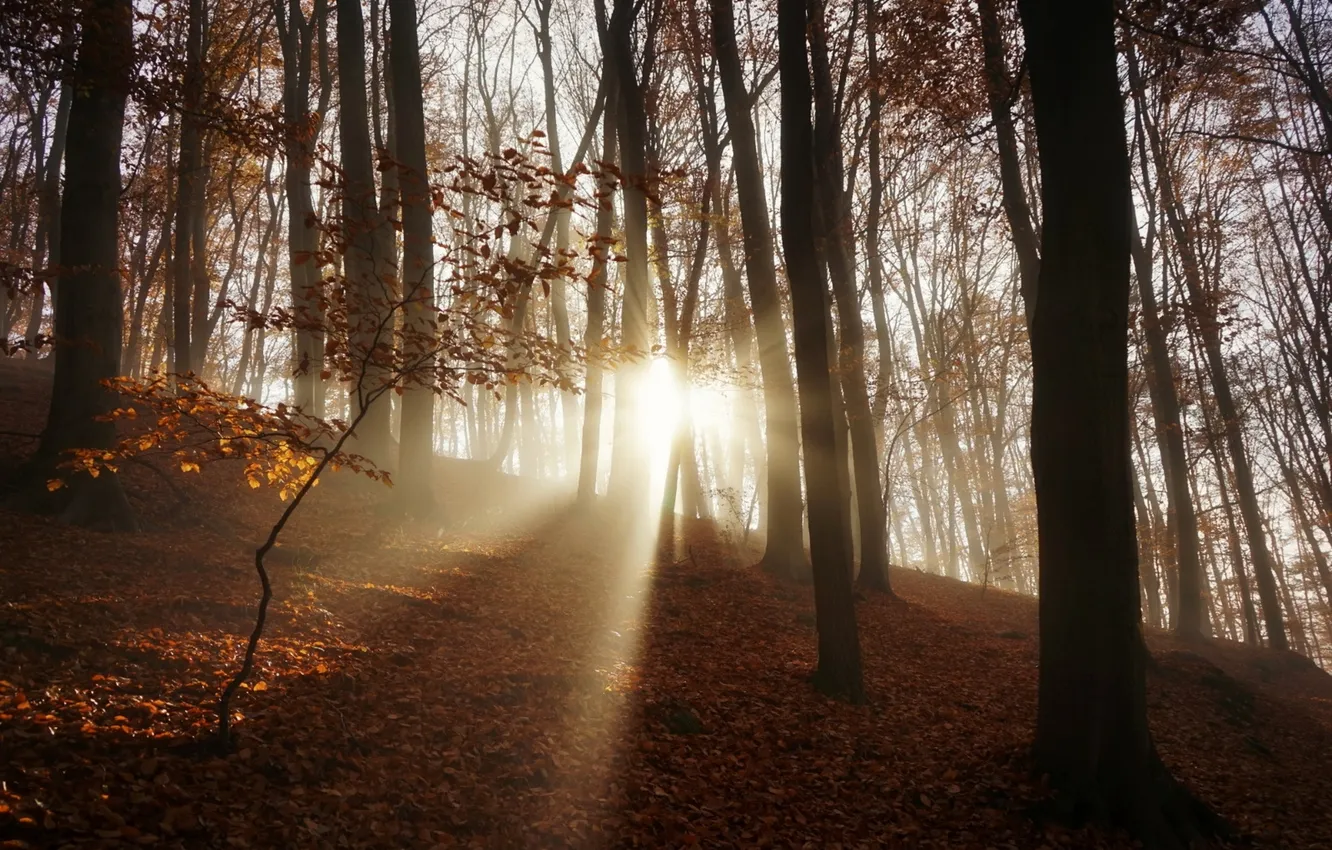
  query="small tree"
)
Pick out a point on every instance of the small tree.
point(371, 347)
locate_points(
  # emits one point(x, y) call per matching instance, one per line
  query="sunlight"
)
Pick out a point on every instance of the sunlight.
point(660, 409)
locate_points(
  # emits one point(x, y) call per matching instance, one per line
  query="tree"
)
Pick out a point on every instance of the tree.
point(366, 233)
point(297, 35)
point(1092, 737)
point(833, 208)
point(839, 642)
point(1207, 322)
point(784, 554)
point(416, 452)
point(89, 310)
point(628, 458)
point(190, 177)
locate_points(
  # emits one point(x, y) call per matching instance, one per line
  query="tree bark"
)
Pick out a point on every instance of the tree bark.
point(370, 296)
point(839, 643)
point(628, 455)
point(296, 33)
point(416, 452)
point(1092, 737)
point(833, 209)
point(89, 311)
point(1000, 91)
point(784, 554)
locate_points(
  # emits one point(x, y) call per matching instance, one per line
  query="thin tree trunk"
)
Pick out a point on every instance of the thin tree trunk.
point(297, 38)
point(628, 454)
point(833, 214)
point(1209, 329)
point(416, 452)
point(784, 554)
point(596, 307)
point(839, 642)
point(1000, 93)
point(366, 237)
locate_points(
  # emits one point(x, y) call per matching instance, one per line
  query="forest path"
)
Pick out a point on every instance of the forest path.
point(556, 681)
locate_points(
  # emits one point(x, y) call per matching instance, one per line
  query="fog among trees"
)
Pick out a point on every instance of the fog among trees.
point(1034, 296)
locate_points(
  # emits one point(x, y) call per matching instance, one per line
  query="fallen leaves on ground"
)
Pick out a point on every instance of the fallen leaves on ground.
point(563, 683)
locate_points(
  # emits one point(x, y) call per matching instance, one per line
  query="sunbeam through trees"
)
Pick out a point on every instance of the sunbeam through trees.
point(657, 423)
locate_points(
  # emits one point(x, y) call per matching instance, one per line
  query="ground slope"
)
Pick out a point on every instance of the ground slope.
point(562, 682)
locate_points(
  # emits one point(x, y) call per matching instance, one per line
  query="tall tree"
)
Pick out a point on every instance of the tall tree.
point(89, 311)
point(834, 218)
point(366, 235)
point(1000, 93)
point(416, 452)
point(785, 553)
point(188, 174)
point(628, 458)
point(296, 33)
point(1207, 323)
point(596, 295)
point(1092, 736)
point(839, 642)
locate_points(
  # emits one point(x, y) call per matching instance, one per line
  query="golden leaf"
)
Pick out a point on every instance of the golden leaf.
point(54, 484)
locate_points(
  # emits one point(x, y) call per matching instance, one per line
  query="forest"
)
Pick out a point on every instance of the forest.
point(659, 423)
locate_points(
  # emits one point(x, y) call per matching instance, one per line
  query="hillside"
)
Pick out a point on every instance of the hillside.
point(529, 684)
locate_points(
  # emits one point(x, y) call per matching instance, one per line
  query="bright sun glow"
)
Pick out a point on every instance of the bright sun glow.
point(661, 407)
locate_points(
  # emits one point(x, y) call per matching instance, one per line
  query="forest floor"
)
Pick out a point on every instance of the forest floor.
point(555, 680)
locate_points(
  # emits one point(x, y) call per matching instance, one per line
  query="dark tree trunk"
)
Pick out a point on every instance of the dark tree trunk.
point(834, 216)
point(368, 295)
point(297, 33)
point(839, 643)
point(1000, 91)
point(188, 166)
point(1187, 608)
point(628, 454)
point(1092, 737)
point(785, 546)
point(46, 170)
point(416, 439)
point(89, 311)
point(559, 286)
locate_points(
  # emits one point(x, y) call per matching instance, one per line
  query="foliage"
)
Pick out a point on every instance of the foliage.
point(194, 425)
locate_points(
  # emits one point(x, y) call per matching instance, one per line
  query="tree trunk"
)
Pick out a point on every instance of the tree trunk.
point(1183, 522)
point(596, 306)
point(1000, 92)
point(833, 213)
point(416, 452)
point(839, 643)
point(1205, 317)
point(188, 160)
point(559, 287)
point(1092, 737)
point(297, 39)
point(89, 311)
point(784, 554)
point(1151, 584)
point(369, 296)
point(628, 453)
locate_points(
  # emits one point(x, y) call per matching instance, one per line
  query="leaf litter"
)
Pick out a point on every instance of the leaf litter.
point(546, 687)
